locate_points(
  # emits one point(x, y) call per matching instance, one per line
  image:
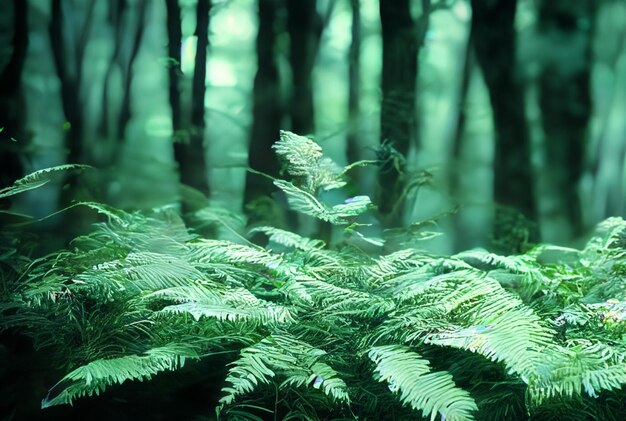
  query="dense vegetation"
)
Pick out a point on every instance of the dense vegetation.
point(362, 327)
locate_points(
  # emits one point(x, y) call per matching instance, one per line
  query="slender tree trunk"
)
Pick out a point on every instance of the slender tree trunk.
point(402, 38)
point(188, 141)
point(305, 27)
point(117, 11)
point(267, 106)
point(125, 111)
point(12, 109)
point(70, 77)
point(454, 174)
point(354, 84)
point(494, 44)
point(196, 160)
point(565, 97)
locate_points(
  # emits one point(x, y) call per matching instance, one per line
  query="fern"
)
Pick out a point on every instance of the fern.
point(37, 179)
point(325, 331)
point(298, 362)
point(96, 376)
point(431, 392)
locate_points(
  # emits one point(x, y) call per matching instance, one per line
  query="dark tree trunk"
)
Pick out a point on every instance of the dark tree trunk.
point(117, 11)
point(402, 38)
point(354, 84)
point(70, 77)
point(125, 111)
point(196, 161)
point(12, 136)
point(188, 142)
point(565, 98)
point(124, 55)
point(267, 106)
point(454, 174)
point(494, 39)
point(305, 27)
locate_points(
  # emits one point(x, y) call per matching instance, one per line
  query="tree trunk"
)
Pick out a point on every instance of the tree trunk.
point(305, 27)
point(188, 141)
point(494, 39)
point(267, 106)
point(565, 97)
point(196, 161)
point(354, 84)
point(70, 78)
point(125, 111)
point(13, 137)
point(402, 38)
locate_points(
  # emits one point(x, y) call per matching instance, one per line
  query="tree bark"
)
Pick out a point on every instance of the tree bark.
point(188, 139)
point(305, 27)
point(354, 84)
point(12, 108)
point(402, 38)
point(125, 111)
point(494, 39)
point(267, 106)
point(70, 77)
point(565, 98)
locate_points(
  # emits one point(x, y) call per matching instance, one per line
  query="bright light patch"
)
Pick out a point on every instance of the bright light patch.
point(188, 54)
point(220, 73)
point(462, 10)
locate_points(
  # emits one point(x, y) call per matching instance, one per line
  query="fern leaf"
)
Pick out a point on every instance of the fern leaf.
point(568, 371)
point(408, 374)
point(303, 201)
point(38, 179)
point(289, 239)
point(96, 376)
point(217, 251)
point(285, 356)
point(302, 158)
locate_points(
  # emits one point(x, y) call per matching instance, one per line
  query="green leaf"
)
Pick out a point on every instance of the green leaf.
point(409, 375)
point(38, 179)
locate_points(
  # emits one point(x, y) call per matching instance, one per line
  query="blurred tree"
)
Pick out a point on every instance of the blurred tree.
point(304, 25)
point(267, 106)
point(68, 44)
point(402, 38)
point(565, 97)
point(354, 83)
point(125, 52)
point(12, 107)
point(494, 40)
point(188, 133)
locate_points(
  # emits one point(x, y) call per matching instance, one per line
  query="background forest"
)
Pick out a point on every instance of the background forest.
point(475, 126)
point(493, 105)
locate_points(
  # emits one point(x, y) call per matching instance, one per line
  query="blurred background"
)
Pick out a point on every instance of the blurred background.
point(501, 120)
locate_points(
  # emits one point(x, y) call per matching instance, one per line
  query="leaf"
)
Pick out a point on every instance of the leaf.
point(302, 201)
point(409, 375)
point(96, 376)
point(38, 179)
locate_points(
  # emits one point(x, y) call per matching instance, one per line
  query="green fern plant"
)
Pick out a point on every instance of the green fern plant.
point(318, 331)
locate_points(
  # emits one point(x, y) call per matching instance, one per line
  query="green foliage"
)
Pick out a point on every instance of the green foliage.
point(432, 392)
point(317, 331)
point(37, 179)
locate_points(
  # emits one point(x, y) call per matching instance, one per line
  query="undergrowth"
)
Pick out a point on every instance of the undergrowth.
point(316, 331)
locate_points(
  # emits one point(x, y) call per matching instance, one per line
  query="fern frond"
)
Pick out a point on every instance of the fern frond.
point(217, 251)
point(285, 356)
point(140, 272)
point(289, 239)
point(303, 159)
point(38, 179)
point(302, 201)
point(581, 366)
point(96, 376)
point(408, 374)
